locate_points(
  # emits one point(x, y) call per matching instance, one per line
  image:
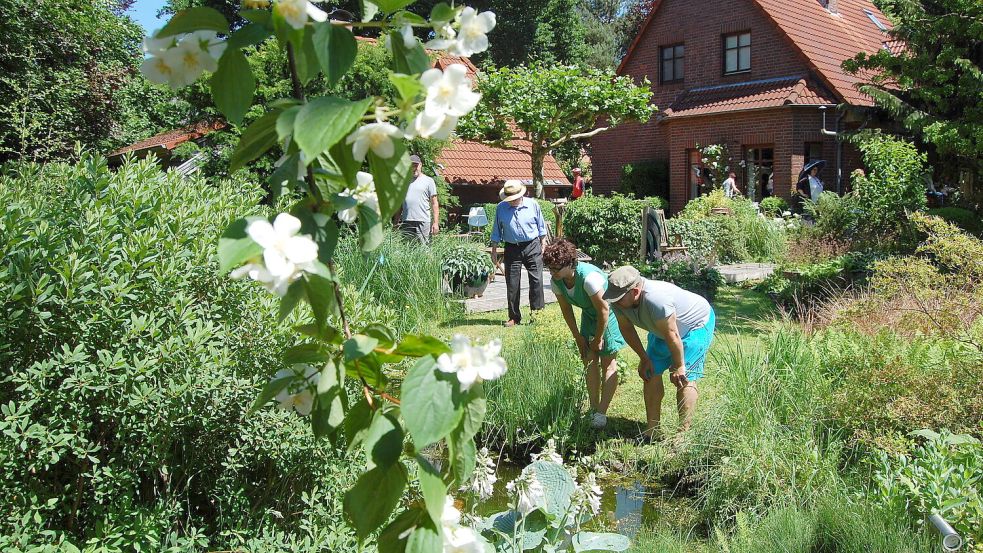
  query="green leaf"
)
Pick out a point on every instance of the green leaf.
point(310, 354)
point(271, 389)
point(321, 297)
point(260, 17)
point(533, 525)
point(327, 334)
point(235, 247)
point(233, 85)
point(359, 346)
point(336, 49)
point(433, 488)
point(369, 9)
point(475, 406)
point(380, 332)
point(305, 59)
point(295, 292)
point(369, 228)
point(393, 537)
point(390, 6)
point(285, 122)
point(376, 493)
point(392, 179)
point(345, 162)
point(383, 441)
point(425, 539)
point(442, 12)
point(195, 19)
point(251, 34)
point(427, 407)
point(370, 369)
point(559, 486)
point(584, 542)
point(408, 86)
point(408, 60)
point(332, 400)
point(417, 346)
point(255, 141)
point(357, 423)
point(284, 178)
point(324, 121)
point(461, 453)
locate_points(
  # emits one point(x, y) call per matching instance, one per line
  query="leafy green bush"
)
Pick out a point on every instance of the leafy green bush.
point(466, 261)
point(688, 272)
point(962, 218)
point(645, 178)
point(607, 228)
point(703, 206)
point(892, 187)
point(730, 239)
point(944, 475)
point(129, 365)
point(774, 206)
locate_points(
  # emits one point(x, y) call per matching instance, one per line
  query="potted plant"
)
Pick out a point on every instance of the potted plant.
point(467, 267)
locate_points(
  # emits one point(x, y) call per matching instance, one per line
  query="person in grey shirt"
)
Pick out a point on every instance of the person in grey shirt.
point(420, 215)
point(680, 326)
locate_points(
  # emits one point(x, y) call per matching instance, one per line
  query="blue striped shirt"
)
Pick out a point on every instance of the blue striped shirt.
point(518, 224)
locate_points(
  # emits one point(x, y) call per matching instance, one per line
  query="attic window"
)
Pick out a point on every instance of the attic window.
point(876, 21)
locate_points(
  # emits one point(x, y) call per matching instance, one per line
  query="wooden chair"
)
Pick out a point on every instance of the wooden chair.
point(656, 240)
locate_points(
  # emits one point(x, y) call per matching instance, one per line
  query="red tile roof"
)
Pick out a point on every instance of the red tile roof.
point(825, 39)
point(474, 163)
point(172, 139)
point(766, 93)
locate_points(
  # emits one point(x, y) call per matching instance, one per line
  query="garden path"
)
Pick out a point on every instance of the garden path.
point(494, 298)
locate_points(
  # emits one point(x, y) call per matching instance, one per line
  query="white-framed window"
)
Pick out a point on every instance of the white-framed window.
point(875, 21)
point(737, 53)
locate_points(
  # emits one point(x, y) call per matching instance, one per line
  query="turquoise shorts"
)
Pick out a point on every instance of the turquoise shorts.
point(696, 344)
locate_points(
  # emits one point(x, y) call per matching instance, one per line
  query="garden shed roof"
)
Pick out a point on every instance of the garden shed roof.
point(466, 162)
point(172, 139)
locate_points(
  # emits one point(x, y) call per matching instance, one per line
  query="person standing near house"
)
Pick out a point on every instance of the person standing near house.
point(578, 184)
point(420, 215)
point(730, 185)
point(598, 337)
point(519, 223)
point(680, 327)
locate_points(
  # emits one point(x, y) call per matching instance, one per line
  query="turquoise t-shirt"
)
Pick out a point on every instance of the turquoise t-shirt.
point(613, 341)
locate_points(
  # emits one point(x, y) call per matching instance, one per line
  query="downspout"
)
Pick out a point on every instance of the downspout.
point(839, 147)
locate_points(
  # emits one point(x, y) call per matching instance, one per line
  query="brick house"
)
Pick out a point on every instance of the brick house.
point(755, 75)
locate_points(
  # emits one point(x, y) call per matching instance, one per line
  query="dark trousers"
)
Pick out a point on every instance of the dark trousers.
point(529, 255)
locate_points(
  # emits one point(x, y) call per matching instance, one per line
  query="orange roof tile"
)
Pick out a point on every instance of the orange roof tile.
point(765, 93)
point(466, 162)
point(826, 39)
point(172, 139)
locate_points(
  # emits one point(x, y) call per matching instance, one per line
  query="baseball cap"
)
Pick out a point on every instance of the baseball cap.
point(415, 159)
point(621, 281)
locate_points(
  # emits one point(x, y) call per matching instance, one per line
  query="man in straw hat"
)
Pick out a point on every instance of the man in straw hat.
point(519, 223)
point(680, 326)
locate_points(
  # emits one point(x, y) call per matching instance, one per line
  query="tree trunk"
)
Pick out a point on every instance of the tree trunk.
point(537, 170)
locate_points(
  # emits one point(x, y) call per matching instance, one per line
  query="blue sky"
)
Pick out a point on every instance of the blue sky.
point(145, 13)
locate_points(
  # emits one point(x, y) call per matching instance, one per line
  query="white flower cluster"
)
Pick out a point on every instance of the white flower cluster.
point(297, 12)
point(470, 36)
point(458, 538)
point(180, 59)
point(299, 394)
point(587, 496)
point(286, 255)
point(363, 194)
point(548, 453)
point(483, 480)
point(527, 491)
point(473, 363)
point(377, 137)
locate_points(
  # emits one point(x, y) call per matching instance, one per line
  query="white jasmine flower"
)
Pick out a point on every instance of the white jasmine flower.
point(461, 539)
point(409, 40)
point(549, 453)
point(427, 125)
point(259, 273)
point(286, 255)
point(472, 363)
point(154, 46)
point(161, 69)
point(451, 516)
point(298, 395)
point(444, 34)
point(527, 490)
point(363, 193)
point(377, 137)
point(296, 12)
point(179, 60)
point(472, 36)
point(483, 480)
point(449, 91)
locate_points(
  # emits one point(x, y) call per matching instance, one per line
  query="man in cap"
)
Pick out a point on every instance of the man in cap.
point(578, 184)
point(421, 209)
point(680, 328)
point(520, 224)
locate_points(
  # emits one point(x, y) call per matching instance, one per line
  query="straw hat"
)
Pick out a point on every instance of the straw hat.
point(512, 190)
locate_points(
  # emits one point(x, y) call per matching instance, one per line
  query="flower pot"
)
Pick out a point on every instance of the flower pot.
point(470, 288)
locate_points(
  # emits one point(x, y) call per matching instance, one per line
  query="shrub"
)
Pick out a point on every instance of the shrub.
point(893, 185)
point(702, 206)
point(645, 178)
point(836, 217)
point(465, 261)
point(607, 228)
point(962, 218)
point(129, 365)
point(774, 206)
point(730, 239)
point(943, 475)
point(688, 272)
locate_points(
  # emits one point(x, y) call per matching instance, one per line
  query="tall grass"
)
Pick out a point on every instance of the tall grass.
point(540, 396)
point(762, 441)
point(403, 275)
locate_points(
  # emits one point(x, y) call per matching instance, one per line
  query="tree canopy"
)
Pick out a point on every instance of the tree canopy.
point(550, 107)
point(932, 83)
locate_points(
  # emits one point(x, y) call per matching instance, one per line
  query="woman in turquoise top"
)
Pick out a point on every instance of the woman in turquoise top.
point(598, 337)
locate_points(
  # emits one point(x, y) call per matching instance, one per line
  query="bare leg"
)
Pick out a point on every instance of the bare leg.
point(593, 382)
point(609, 367)
point(686, 402)
point(654, 392)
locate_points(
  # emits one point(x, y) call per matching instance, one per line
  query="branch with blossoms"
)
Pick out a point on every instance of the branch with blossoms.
point(346, 163)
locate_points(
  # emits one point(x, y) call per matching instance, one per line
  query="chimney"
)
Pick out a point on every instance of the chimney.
point(831, 6)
